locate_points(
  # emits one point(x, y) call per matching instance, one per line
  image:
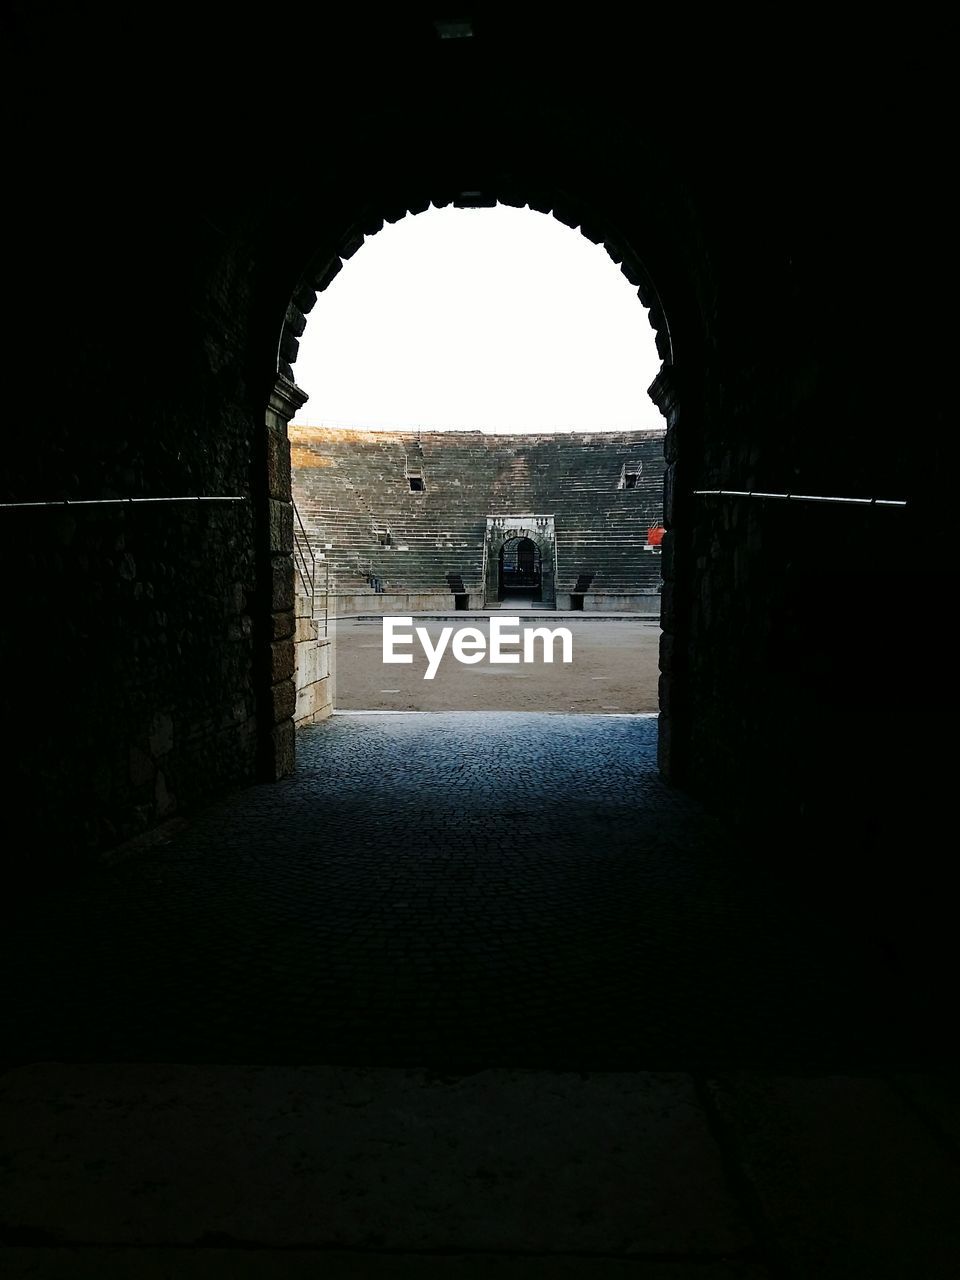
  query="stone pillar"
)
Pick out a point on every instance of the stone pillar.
point(494, 536)
point(664, 394)
point(546, 540)
point(278, 687)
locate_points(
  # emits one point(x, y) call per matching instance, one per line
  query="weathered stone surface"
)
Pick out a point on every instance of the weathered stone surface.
point(307, 628)
point(281, 666)
point(283, 740)
point(296, 321)
point(281, 527)
point(665, 758)
point(668, 615)
point(667, 547)
point(314, 703)
point(235, 598)
point(671, 444)
point(849, 1180)
point(213, 1263)
point(278, 466)
point(142, 767)
point(667, 645)
point(282, 583)
point(334, 1157)
point(937, 1098)
point(669, 494)
point(283, 625)
point(350, 244)
point(161, 734)
point(289, 346)
point(330, 269)
point(284, 699)
point(164, 800)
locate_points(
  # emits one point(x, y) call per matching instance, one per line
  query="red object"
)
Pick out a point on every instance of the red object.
point(655, 535)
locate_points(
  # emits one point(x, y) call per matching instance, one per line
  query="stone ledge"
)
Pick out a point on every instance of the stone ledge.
point(336, 1264)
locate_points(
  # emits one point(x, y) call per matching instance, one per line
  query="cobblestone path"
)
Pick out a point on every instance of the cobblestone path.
point(451, 891)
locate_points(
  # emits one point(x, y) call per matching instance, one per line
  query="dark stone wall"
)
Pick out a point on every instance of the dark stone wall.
point(818, 682)
point(132, 695)
point(132, 682)
point(181, 192)
point(129, 635)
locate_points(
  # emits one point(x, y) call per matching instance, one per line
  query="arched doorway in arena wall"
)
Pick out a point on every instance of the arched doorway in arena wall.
point(520, 561)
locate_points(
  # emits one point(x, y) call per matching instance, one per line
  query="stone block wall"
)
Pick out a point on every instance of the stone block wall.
point(313, 665)
point(130, 693)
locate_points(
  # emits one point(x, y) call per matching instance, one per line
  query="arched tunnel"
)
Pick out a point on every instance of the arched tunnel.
point(729, 930)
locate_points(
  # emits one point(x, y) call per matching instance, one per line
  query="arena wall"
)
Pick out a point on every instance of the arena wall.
point(400, 519)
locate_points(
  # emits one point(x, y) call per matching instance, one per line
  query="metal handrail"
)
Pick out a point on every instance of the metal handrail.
point(306, 563)
point(120, 502)
point(799, 497)
point(304, 559)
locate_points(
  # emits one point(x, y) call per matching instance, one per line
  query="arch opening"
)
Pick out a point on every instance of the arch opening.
point(497, 320)
point(533, 580)
point(519, 572)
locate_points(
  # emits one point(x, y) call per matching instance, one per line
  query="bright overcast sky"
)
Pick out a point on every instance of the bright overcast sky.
point(494, 319)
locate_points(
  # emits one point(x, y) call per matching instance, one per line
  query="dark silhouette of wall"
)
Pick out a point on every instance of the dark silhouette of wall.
point(180, 193)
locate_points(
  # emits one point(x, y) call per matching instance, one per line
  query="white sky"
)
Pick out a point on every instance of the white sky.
point(494, 319)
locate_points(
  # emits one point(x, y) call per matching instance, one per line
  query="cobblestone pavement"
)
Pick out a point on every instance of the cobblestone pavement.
point(451, 891)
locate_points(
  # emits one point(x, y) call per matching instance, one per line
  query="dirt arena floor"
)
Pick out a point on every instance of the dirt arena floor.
point(614, 669)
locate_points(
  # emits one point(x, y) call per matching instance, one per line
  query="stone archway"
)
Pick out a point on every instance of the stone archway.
point(578, 205)
point(520, 572)
point(502, 530)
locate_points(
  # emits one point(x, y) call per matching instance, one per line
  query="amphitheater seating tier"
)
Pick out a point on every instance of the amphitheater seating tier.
point(361, 513)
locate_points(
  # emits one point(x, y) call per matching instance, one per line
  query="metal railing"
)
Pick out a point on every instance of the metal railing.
point(304, 559)
point(120, 502)
point(307, 570)
point(799, 497)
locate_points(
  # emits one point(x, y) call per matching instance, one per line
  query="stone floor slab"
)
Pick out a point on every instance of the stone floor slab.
point(266, 1264)
point(380, 1160)
point(851, 1183)
point(454, 890)
point(937, 1098)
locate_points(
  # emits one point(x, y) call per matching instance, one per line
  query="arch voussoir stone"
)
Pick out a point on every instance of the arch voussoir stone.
point(327, 273)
